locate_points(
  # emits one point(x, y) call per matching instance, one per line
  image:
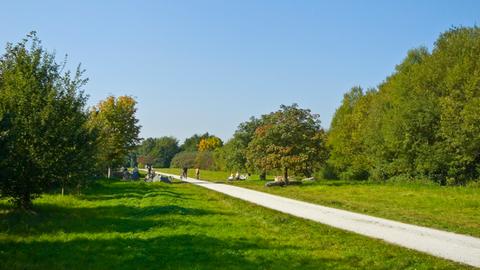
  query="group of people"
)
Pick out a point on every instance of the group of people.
point(184, 174)
point(150, 172)
point(126, 175)
point(238, 176)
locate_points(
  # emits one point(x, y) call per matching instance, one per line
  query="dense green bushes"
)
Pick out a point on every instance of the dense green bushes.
point(422, 122)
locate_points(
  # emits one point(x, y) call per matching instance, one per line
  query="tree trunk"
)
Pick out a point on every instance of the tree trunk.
point(63, 189)
point(285, 176)
point(109, 172)
point(263, 175)
point(24, 202)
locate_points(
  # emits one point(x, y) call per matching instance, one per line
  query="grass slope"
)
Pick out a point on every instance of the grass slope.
point(454, 209)
point(180, 226)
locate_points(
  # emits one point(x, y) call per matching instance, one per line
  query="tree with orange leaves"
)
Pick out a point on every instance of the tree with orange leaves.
point(118, 129)
point(290, 139)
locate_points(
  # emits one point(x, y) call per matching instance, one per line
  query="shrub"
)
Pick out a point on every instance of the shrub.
point(184, 159)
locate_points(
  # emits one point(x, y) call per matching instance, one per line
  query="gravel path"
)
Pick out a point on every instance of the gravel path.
point(455, 247)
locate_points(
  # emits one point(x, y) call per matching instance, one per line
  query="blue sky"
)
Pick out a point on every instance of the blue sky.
point(197, 66)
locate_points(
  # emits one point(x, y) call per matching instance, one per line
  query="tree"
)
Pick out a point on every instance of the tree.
point(205, 160)
point(346, 136)
point(158, 151)
point(236, 156)
point(233, 153)
point(146, 153)
point(118, 130)
point(43, 134)
point(184, 160)
point(288, 139)
point(191, 144)
point(209, 144)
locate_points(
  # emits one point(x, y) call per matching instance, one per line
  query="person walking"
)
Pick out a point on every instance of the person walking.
point(197, 173)
point(185, 172)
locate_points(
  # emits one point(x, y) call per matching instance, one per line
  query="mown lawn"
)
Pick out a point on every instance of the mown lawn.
point(122, 225)
point(455, 209)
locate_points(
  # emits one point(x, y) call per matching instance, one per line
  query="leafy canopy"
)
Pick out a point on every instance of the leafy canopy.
point(44, 138)
point(288, 139)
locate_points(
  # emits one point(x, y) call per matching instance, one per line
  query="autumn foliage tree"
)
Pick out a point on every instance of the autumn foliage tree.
point(118, 129)
point(209, 144)
point(290, 139)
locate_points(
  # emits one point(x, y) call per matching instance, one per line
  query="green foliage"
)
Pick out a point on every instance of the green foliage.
point(158, 151)
point(345, 138)
point(191, 144)
point(424, 120)
point(118, 128)
point(200, 151)
point(184, 160)
point(288, 139)
point(235, 150)
point(205, 160)
point(43, 134)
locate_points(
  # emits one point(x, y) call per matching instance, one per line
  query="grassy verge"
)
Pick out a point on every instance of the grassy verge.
point(122, 225)
point(454, 209)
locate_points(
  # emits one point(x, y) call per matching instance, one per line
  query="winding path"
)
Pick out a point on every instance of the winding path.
point(452, 246)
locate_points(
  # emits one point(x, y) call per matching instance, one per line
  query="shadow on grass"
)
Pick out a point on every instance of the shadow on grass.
point(182, 251)
point(137, 190)
point(51, 219)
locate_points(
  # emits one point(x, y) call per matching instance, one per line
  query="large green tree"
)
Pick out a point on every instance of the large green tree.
point(118, 128)
point(346, 135)
point(43, 134)
point(290, 139)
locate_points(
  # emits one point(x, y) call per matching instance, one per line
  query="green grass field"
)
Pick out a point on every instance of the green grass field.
point(120, 225)
point(455, 209)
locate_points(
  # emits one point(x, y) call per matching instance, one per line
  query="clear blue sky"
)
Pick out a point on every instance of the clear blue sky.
point(197, 66)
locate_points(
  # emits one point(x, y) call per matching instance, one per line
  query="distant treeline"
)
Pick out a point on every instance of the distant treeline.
point(422, 122)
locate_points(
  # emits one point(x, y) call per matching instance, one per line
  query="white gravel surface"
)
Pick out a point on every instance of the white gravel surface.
point(456, 247)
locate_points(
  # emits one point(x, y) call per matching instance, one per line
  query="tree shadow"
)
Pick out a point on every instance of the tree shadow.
point(130, 190)
point(50, 218)
point(183, 251)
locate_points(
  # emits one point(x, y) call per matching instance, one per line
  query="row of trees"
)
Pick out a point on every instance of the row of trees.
point(423, 121)
point(288, 140)
point(196, 151)
point(48, 138)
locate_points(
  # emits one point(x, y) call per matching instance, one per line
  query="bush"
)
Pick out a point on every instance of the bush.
point(205, 161)
point(184, 159)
